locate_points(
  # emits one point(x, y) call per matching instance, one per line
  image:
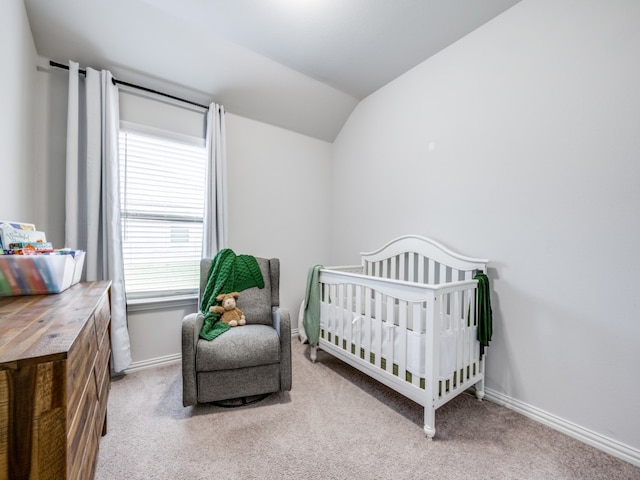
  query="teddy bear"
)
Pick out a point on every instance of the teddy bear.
point(229, 312)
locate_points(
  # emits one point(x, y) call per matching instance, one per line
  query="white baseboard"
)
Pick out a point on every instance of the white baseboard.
point(153, 362)
point(594, 439)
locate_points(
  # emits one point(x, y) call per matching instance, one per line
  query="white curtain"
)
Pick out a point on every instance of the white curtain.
point(214, 237)
point(92, 217)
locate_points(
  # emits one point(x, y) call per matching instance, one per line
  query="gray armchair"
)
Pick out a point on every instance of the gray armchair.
point(246, 361)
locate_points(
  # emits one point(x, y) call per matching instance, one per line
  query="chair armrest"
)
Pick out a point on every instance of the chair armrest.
point(191, 326)
point(281, 321)
point(282, 324)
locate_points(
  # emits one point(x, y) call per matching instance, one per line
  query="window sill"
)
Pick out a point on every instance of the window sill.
point(158, 303)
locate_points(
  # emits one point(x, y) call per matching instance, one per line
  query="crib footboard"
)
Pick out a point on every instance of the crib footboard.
point(418, 339)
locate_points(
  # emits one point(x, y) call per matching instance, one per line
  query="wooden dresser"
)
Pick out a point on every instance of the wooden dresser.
point(54, 382)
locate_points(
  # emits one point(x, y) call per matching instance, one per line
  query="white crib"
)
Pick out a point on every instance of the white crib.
point(407, 318)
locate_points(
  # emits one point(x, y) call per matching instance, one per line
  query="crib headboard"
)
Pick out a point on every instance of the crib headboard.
point(419, 259)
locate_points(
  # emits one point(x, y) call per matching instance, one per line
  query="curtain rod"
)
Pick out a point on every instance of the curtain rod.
point(132, 85)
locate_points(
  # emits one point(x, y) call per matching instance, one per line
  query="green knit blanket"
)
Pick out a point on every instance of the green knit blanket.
point(311, 319)
point(483, 311)
point(228, 273)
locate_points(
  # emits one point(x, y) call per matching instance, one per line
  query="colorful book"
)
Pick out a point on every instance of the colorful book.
point(33, 245)
point(18, 225)
point(9, 235)
point(29, 248)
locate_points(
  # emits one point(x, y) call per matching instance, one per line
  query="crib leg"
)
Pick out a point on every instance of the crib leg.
point(479, 390)
point(429, 422)
point(313, 354)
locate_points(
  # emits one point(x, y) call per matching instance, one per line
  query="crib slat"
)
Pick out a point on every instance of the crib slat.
point(470, 311)
point(455, 275)
point(474, 349)
point(411, 267)
point(432, 272)
point(443, 273)
point(360, 323)
point(378, 329)
point(467, 298)
point(402, 326)
point(432, 352)
point(417, 308)
point(332, 313)
point(323, 311)
point(472, 302)
point(466, 344)
point(421, 277)
point(348, 328)
point(402, 268)
point(328, 310)
point(465, 332)
point(456, 315)
point(442, 320)
point(339, 330)
point(366, 324)
point(391, 324)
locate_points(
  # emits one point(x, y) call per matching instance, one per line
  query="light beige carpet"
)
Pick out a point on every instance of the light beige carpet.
point(334, 424)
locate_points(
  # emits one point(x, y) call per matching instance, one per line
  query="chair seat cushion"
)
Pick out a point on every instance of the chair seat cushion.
point(239, 347)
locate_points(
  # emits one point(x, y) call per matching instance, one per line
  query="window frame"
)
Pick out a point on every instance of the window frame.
point(143, 300)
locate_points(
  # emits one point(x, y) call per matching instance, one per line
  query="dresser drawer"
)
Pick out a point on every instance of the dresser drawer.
point(81, 428)
point(102, 316)
point(101, 366)
point(101, 410)
point(80, 368)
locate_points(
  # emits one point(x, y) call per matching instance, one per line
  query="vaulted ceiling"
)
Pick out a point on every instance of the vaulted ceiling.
point(298, 64)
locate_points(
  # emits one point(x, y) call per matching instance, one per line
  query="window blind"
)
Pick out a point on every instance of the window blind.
point(162, 201)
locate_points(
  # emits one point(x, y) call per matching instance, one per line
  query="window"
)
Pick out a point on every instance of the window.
point(162, 187)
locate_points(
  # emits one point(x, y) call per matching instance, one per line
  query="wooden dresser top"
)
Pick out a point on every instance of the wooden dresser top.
point(36, 326)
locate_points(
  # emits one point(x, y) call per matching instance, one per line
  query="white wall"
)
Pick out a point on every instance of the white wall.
point(520, 144)
point(278, 200)
point(163, 113)
point(17, 80)
point(50, 145)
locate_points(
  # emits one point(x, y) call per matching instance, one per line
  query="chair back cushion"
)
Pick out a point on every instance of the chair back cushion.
point(254, 302)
